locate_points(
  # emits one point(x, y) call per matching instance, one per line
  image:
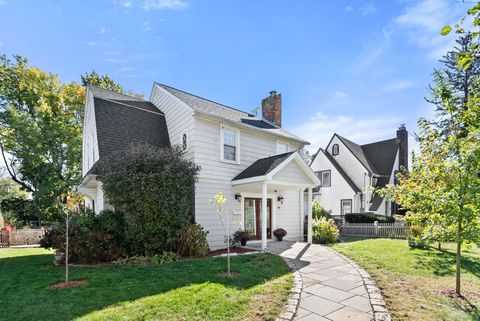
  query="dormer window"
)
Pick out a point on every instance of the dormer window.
point(335, 149)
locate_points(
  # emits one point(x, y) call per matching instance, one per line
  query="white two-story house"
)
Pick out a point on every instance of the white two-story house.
point(253, 161)
point(351, 173)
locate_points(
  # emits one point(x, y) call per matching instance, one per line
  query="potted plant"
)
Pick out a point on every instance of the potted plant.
point(280, 233)
point(244, 237)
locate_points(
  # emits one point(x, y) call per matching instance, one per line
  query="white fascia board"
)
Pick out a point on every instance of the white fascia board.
point(303, 166)
point(250, 180)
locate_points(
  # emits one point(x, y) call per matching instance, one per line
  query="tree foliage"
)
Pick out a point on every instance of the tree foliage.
point(41, 130)
point(154, 187)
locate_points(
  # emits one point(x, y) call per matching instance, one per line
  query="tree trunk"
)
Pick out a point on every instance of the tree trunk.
point(458, 258)
point(66, 250)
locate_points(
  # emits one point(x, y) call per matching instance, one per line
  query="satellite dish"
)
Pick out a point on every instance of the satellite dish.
point(255, 111)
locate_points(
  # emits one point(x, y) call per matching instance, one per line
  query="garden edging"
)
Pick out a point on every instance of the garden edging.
point(290, 309)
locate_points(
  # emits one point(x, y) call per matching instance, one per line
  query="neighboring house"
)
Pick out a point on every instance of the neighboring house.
point(253, 161)
point(350, 173)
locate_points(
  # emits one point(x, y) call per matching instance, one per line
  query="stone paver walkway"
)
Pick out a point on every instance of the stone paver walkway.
point(334, 288)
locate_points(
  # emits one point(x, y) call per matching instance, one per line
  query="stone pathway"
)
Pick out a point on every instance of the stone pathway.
point(333, 287)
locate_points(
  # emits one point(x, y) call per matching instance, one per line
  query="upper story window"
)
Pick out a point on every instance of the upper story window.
point(282, 147)
point(325, 178)
point(184, 142)
point(335, 149)
point(230, 145)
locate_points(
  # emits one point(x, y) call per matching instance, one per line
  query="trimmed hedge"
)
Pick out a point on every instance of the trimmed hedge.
point(367, 218)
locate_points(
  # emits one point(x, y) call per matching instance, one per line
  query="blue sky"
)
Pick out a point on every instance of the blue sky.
point(358, 68)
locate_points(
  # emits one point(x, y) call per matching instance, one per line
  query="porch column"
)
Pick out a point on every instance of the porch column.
point(264, 216)
point(302, 214)
point(309, 209)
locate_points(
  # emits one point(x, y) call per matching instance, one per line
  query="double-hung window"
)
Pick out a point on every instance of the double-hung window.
point(230, 141)
point(325, 178)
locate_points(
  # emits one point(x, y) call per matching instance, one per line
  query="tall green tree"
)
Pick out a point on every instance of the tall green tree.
point(41, 131)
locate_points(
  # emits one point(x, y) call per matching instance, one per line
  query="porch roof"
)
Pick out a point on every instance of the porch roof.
point(288, 169)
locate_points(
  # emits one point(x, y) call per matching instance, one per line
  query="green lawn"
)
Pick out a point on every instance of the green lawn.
point(412, 280)
point(188, 290)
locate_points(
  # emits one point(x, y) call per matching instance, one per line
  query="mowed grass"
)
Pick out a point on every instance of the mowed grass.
point(412, 280)
point(187, 290)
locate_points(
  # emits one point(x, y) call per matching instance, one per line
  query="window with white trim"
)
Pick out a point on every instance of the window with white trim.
point(335, 150)
point(230, 145)
point(282, 147)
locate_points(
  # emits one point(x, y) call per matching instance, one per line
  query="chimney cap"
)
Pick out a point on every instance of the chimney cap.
point(402, 126)
point(273, 92)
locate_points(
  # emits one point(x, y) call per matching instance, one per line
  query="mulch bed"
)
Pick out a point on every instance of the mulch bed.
point(465, 294)
point(69, 284)
point(234, 249)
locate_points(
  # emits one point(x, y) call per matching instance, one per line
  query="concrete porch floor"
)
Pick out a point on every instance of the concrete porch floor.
point(334, 288)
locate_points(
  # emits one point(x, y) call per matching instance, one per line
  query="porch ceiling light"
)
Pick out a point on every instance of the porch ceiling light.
point(280, 199)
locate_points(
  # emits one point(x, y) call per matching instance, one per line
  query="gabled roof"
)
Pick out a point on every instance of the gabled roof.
point(123, 120)
point(347, 178)
point(378, 158)
point(230, 114)
point(262, 166)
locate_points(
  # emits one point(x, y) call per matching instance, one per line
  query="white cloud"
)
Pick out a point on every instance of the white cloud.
point(423, 20)
point(372, 51)
point(104, 30)
point(127, 4)
point(349, 8)
point(319, 129)
point(91, 43)
point(399, 85)
point(3, 2)
point(146, 26)
point(164, 4)
point(367, 9)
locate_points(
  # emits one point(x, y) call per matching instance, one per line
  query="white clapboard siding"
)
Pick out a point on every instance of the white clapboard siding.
point(179, 118)
point(288, 216)
point(89, 142)
point(292, 173)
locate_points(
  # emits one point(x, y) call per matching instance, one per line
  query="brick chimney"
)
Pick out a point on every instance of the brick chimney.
point(272, 108)
point(402, 142)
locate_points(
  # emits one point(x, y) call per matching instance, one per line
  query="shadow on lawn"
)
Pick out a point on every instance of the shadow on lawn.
point(25, 279)
point(442, 262)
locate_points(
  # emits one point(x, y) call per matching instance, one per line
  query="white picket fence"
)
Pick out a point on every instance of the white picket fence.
point(386, 230)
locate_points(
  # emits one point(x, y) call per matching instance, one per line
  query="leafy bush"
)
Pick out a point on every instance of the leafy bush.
point(165, 257)
point(192, 241)
point(18, 211)
point(367, 218)
point(318, 211)
point(134, 260)
point(93, 238)
point(324, 231)
point(154, 188)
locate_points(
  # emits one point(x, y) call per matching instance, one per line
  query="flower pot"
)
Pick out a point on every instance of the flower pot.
point(58, 258)
point(279, 238)
point(243, 242)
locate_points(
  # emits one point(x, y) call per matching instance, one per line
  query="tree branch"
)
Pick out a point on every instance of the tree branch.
point(12, 174)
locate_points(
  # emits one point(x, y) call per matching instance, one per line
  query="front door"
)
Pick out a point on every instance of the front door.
point(253, 218)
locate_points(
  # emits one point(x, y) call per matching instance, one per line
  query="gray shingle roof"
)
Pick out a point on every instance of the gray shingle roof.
point(378, 157)
point(123, 120)
point(376, 200)
point(229, 113)
point(262, 166)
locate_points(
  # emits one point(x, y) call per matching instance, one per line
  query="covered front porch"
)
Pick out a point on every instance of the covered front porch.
point(273, 192)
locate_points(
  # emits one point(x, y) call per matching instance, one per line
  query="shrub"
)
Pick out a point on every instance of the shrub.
point(93, 238)
point(19, 211)
point(367, 218)
point(192, 241)
point(154, 187)
point(165, 257)
point(324, 231)
point(318, 211)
